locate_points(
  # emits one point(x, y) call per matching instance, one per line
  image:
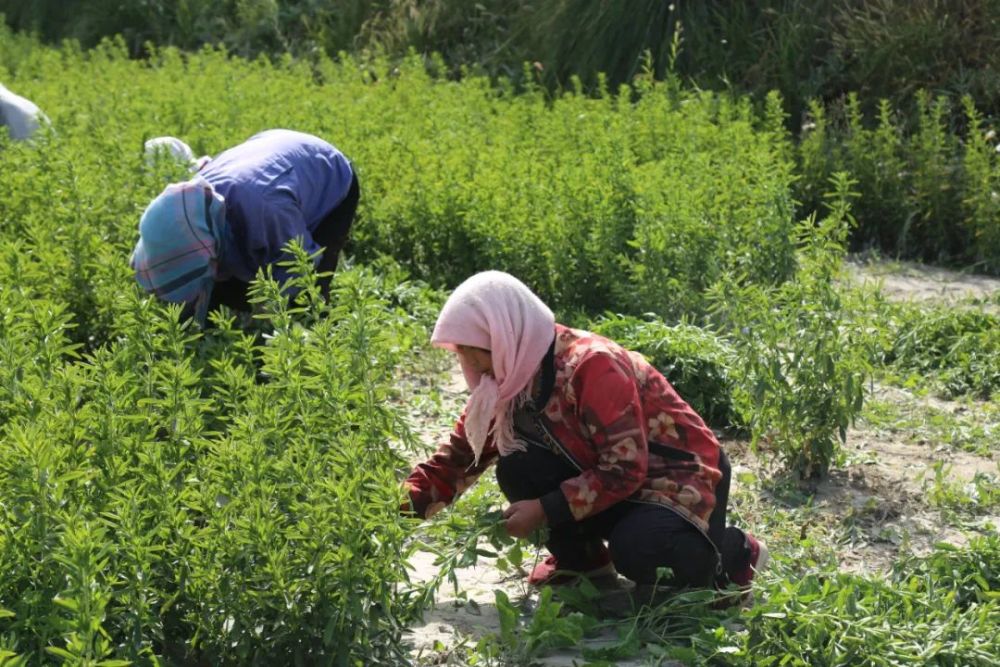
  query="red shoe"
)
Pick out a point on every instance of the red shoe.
point(756, 563)
point(548, 573)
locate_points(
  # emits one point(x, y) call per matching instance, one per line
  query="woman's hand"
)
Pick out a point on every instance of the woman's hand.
point(524, 517)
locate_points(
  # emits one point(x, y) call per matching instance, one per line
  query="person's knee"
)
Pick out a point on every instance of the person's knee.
point(640, 555)
point(531, 473)
point(695, 563)
point(629, 555)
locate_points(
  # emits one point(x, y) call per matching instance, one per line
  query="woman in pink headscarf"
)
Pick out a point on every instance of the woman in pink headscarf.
point(589, 440)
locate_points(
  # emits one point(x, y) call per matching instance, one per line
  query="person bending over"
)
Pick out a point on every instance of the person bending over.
point(589, 440)
point(202, 241)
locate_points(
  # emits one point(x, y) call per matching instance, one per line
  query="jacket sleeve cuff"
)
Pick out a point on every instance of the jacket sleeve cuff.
point(556, 508)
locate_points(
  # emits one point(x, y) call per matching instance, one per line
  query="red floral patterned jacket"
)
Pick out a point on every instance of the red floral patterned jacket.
point(619, 422)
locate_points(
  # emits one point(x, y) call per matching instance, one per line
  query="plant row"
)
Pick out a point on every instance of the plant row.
point(230, 496)
point(927, 191)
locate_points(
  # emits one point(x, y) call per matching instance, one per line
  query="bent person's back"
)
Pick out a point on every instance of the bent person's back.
point(21, 116)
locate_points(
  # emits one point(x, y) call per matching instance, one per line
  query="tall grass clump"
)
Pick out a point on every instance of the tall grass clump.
point(933, 609)
point(955, 351)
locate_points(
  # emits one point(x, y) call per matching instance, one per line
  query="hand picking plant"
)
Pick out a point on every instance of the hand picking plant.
point(473, 529)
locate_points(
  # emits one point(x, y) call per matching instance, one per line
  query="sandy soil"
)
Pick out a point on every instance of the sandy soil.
point(880, 494)
point(906, 281)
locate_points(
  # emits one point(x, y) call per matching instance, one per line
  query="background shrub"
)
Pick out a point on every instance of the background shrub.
point(926, 193)
point(804, 48)
point(865, 63)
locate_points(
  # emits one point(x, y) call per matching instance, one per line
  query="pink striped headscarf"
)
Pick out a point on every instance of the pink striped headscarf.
point(495, 311)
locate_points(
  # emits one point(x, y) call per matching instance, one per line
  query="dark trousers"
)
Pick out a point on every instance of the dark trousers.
point(641, 537)
point(331, 233)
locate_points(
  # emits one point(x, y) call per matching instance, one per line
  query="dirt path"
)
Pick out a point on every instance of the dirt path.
point(880, 503)
point(906, 281)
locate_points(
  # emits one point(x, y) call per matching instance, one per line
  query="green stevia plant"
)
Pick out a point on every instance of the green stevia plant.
point(935, 609)
point(521, 640)
point(171, 494)
point(981, 196)
point(804, 359)
point(635, 200)
point(981, 493)
point(874, 159)
point(815, 159)
point(926, 185)
point(183, 496)
point(933, 201)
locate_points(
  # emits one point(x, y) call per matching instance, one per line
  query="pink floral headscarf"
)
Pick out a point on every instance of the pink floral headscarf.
point(495, 311)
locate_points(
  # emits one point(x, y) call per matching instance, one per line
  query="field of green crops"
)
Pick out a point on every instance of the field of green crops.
point(229, 496)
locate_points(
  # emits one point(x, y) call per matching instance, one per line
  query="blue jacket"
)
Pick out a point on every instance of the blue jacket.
point(277, 185)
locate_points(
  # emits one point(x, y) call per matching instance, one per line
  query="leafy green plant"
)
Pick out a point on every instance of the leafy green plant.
point(519, 641)
point(804, 360)
point(472, 530)
point(971, 425)
point(874, 159)
point(953, 349)
point(981, 199)
point(932, 200)
point(980, 493)
point(916, 178)
point(229, 495)
point(815, 158)
point(938, 609)
point(180, 496)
